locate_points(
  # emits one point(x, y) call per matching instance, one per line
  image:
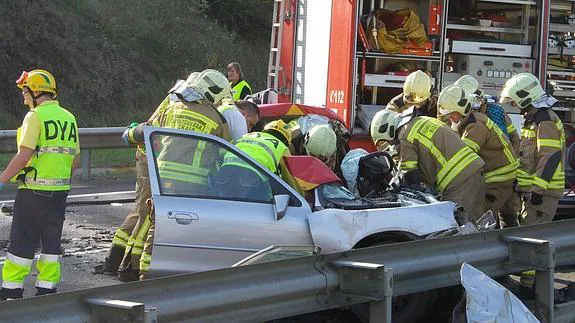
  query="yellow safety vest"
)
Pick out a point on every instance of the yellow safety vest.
point(50, 168)
point(263, 147)
point(423, 131)
point(237, 89)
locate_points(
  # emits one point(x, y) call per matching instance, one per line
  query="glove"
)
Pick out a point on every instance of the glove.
point(536, 199)
point(125, 137)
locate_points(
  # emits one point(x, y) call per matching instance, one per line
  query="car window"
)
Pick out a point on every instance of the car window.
point(205, 168)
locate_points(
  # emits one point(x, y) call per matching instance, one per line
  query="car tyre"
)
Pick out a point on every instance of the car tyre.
point(406, 308)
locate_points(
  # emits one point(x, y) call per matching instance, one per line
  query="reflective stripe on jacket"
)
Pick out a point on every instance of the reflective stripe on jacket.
point(184, 159)
point(482, 135)
point(542, 154)
point(437, 151)
point(50, 168)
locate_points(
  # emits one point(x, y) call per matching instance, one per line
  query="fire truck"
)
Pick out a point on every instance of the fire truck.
point(329, 52)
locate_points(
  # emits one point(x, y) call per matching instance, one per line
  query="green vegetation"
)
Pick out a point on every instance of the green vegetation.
point(115, 60)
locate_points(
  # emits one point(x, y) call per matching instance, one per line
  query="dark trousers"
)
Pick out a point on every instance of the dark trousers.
point(38, 217)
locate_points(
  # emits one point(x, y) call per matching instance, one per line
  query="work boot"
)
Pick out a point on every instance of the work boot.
point(11, 293)
point(112, 262)
point(129, 275)
point(44, 291)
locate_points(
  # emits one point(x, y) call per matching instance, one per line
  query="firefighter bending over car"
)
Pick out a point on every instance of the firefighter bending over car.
point(48, 146)
point(192, 106)
point(508, 213)
point(432, 153)
point(486, 139)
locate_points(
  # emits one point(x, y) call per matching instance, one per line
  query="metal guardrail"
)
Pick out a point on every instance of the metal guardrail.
point(90, 138)
point(308, 284)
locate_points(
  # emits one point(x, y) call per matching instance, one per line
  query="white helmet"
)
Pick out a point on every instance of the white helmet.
point(469, 84)
point(320, 141)
point(212, 85)
point(417, 87)
point(454, 99)
point(523, 89)
point(384, 125)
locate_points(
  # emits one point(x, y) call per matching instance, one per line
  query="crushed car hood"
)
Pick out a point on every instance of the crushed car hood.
point(339, 230)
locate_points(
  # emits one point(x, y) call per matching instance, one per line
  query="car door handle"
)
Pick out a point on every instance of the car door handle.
point(183, 218)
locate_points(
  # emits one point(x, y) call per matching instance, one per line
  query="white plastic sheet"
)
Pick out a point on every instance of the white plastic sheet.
point(488, 301)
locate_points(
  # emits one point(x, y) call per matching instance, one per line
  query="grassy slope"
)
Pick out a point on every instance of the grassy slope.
point(114, 60)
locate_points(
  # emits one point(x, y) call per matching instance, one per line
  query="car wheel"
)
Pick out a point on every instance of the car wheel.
point(406, 308)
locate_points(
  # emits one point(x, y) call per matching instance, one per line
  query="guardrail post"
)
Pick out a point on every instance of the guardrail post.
point(86, 164)
point(111, 310)
point(536, 254)
point(370, 282)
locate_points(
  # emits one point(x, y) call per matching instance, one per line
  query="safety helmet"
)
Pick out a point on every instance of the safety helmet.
point(212, 85)
point(454, 99)
point(38, 81)
point(469, 84)
point(384, 125)
point(417, 87)
point(280, 130)
point(320, 141)
point(523, 89)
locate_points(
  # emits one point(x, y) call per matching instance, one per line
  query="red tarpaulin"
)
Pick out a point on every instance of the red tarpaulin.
point(309, 172)
point(280, 110)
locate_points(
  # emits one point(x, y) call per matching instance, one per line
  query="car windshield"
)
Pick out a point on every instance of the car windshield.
point(336, 191)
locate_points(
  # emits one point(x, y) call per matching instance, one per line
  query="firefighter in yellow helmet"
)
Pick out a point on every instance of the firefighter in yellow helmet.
point(541, 174)
point(432, 153)
point(238, 178)
point(48, 147)
point(417, 93)
point(182, 166)
point(508, 214)
point(321, 142)
point(486, 139)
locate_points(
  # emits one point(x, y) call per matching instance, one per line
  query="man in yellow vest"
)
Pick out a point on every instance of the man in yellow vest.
point(48, 145)
point(431, 153)
point(240, 88)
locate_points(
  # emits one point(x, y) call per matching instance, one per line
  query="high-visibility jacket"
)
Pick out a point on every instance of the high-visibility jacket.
point(487, 140)
point(263, 147)
point(50, 167)
point(498, 115)
point(238, 89)
point(438, 152)
point(428, 109)
point(136, 134)
point(182, 159)
point(542, 154)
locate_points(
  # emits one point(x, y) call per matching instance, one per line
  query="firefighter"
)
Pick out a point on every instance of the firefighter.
point(240, 88)
point(192, 106)
point(508, 214)
point(320, 142)
point(432, 153)
point(241, 116)
point(48, 147)
point(122, 235)
point(486, 139)
point(541, 174)
point(237, 178)
point(417, 92)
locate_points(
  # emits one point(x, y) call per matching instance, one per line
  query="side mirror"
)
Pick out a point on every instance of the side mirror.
point(281, 203)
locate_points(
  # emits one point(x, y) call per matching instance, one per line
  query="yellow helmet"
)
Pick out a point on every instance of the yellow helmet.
point(523, 89)
point(320, 141)
point(280, 130)
point(417, 87)
point(38, 81)
point(469, 84)
point(212, 85)
point(454, 99)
